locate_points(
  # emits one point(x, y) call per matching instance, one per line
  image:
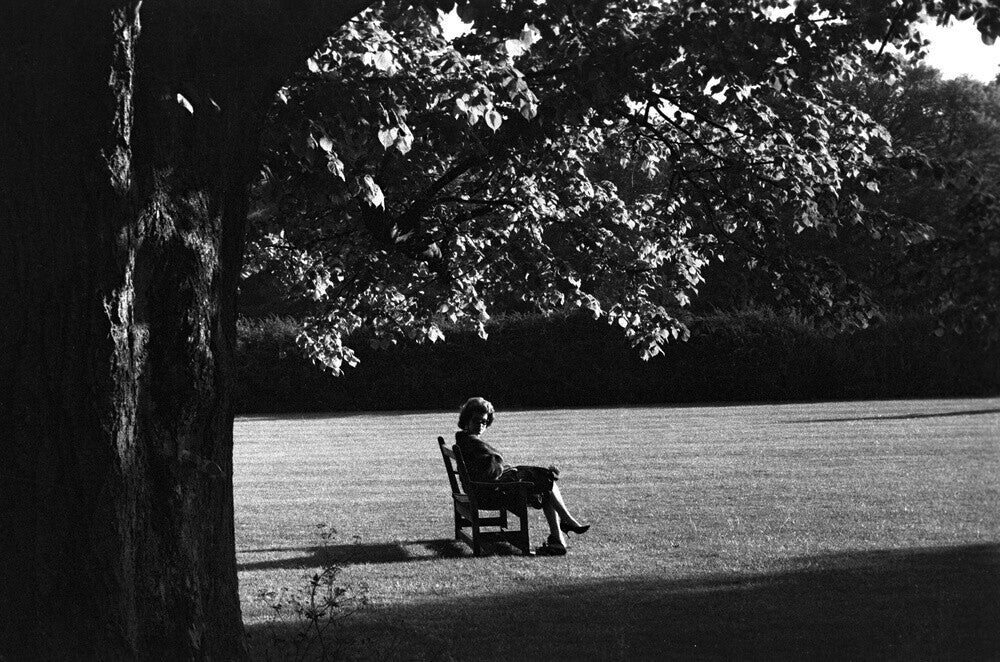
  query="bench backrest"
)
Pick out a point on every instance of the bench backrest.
point(451, 464)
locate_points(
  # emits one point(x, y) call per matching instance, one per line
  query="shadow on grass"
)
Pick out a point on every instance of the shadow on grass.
point(355, 553)
point(939, 603)
point(901, 417)
point(320, 415)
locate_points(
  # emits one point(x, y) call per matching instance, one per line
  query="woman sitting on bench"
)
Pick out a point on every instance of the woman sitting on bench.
point(485, 464)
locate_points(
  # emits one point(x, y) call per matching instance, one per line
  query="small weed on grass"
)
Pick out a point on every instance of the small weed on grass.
point(306, 619)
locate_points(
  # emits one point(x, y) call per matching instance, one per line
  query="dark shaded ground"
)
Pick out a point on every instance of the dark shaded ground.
point(938, 603)
point(352, 553)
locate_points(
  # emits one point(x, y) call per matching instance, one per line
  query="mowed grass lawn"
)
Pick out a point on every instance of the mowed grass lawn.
point(863, 530)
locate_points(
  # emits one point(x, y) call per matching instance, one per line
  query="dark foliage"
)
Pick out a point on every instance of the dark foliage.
point(572, 360)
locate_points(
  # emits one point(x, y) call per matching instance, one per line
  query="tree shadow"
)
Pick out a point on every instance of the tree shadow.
point(320, 415)
point(353, 553)
point(900, 417)
point(939, 603)
point(293, 416)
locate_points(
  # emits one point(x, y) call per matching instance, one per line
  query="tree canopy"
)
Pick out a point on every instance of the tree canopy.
point(598, 156)
point(939, 185)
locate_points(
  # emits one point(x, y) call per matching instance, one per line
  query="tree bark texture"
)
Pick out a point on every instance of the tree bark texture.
point(128, 135)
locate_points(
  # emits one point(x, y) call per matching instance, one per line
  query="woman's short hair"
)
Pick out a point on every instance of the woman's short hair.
point(475, 406)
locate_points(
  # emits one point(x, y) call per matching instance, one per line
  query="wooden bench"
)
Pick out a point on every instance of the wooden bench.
point(470, 499)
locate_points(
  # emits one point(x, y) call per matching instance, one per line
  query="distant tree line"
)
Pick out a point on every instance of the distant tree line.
point(568, 360)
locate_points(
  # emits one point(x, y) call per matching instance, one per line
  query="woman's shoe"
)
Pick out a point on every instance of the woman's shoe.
point(569, 528)
point(552, 547)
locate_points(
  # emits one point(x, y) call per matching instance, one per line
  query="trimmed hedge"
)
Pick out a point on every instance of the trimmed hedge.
point(574, 361)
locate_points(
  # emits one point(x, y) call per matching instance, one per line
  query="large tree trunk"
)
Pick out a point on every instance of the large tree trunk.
point(122, 208)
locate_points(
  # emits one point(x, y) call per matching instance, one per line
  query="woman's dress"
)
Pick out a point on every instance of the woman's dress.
point(485, 464)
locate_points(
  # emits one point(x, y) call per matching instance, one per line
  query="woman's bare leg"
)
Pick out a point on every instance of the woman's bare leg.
point(556, 511)
point(557, 503)
point(552, 517)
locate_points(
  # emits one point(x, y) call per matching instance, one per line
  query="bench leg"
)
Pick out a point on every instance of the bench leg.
point(477, 548)
point(523, 542)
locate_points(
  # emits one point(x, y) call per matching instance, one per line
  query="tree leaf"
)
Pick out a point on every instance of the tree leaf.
point(182, 100)
point(387, 137)
point(404, 141)
point(372, 192)
point(530, 36)
point(514, 47)
point(383, 61)
point(493, 119)
point(336, 167)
